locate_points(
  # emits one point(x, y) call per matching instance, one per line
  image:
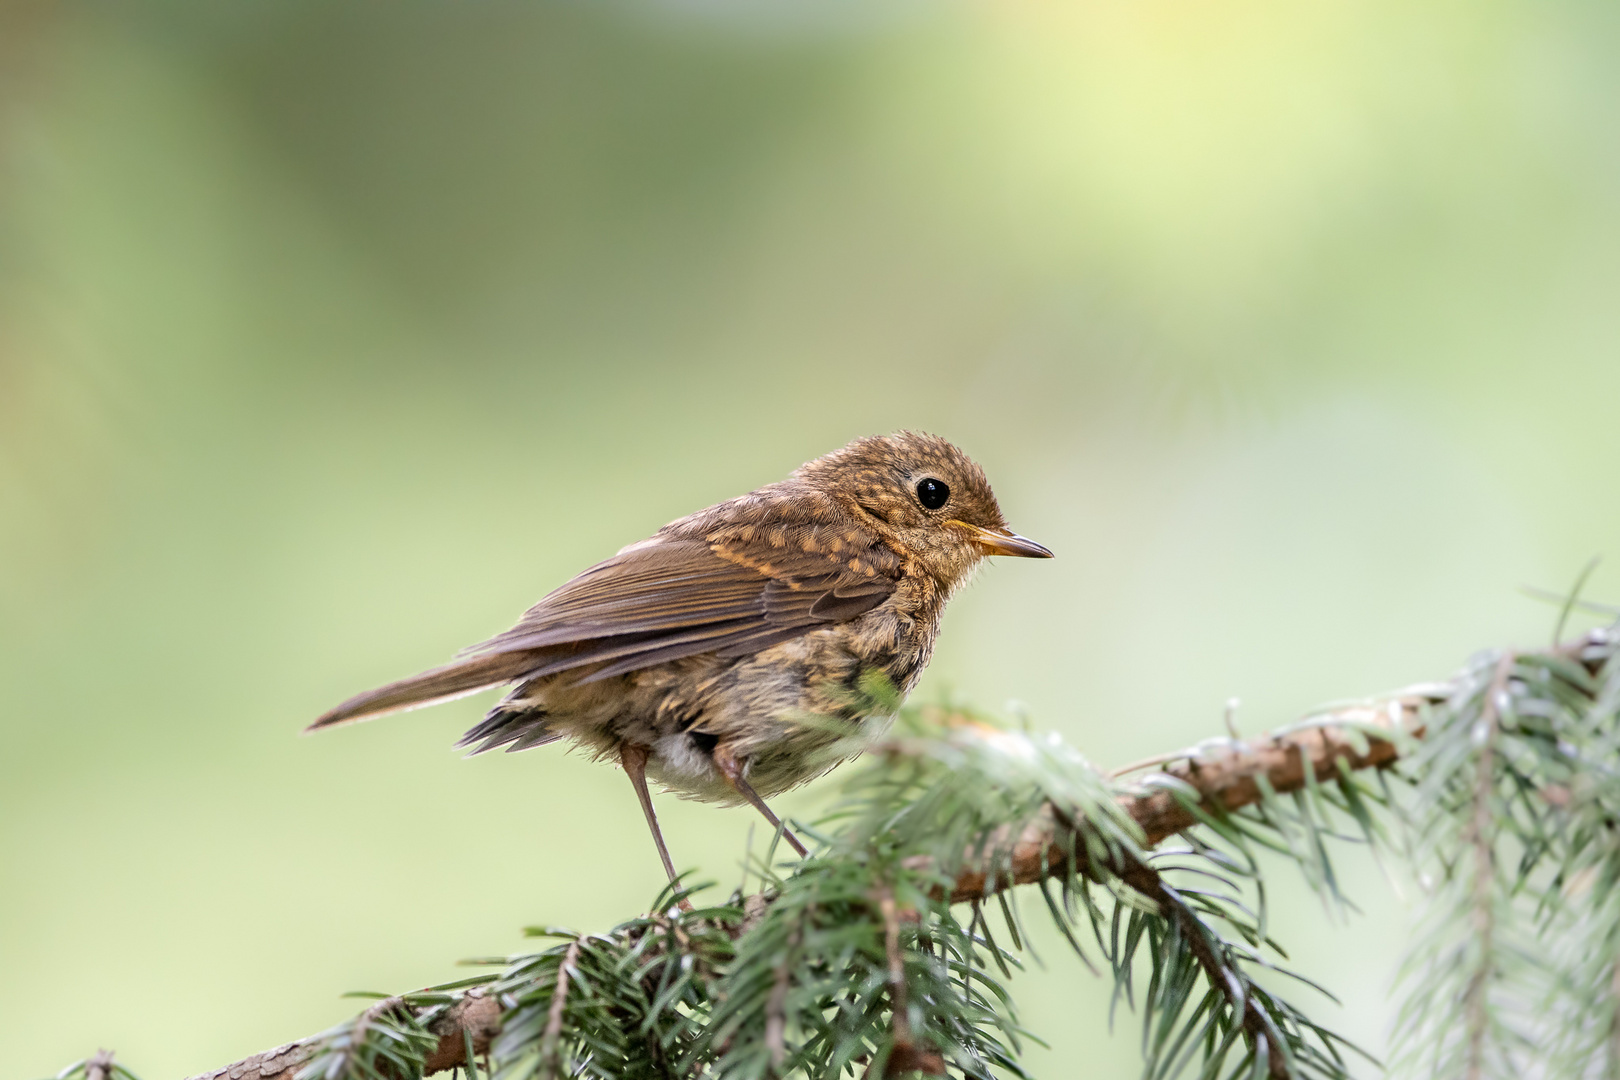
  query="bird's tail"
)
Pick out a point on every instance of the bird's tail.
point(445, 683)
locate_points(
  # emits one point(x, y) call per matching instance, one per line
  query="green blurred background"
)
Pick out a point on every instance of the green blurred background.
point(332, 334)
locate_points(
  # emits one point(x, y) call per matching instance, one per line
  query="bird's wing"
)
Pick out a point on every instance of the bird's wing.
point(657, 601)
point(669, 598)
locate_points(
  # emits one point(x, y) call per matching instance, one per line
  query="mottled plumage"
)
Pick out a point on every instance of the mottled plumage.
point(725, 654)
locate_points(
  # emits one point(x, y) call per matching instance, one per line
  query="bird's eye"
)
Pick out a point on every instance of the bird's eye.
point(932, 493)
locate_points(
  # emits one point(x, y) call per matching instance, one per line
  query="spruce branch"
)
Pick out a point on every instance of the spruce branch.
point(1224, 775)
point(856, 960)
point(1512, 825)
point(387, 1039)
point(554, 1014)
point(100, 1066)
point(1220, 971)
point(1482, 837)
point(469, 1017)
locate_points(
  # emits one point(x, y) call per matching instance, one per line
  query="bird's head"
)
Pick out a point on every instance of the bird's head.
point(925, 496)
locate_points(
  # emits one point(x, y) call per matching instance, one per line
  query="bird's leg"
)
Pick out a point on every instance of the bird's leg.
point(729, 768)
point(634, 760)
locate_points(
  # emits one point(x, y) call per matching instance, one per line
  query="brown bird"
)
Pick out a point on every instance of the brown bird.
point(730, 656)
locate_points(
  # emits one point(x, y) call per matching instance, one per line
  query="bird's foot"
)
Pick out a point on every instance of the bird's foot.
point(634, 760)
point(731, 769)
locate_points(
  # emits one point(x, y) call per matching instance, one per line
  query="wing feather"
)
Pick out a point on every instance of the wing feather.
point(660, 600)
point(669, 598)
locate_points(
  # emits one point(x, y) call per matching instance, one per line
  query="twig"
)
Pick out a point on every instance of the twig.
point(1262, 1033)
point(776, 1004)
point(899, 1009)
point(476, 1014)
point(1483, 840)
point(1614, 1021)
point(550, 1049)
point(1362, 736)
point(99, 1067)
point(1147, 763)
point(905, 1056)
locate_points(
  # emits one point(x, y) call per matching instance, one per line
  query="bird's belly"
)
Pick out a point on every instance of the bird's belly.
point(787, 714)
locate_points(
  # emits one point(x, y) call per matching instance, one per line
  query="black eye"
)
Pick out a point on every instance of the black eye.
point(932, 493)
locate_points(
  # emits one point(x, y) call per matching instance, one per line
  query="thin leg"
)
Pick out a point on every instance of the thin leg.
point(732, 771)
point(634, 760)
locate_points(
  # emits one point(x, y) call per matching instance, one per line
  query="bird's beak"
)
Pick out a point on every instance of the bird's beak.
point(1004, 542)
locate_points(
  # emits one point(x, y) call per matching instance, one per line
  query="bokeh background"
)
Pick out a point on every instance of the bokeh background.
point(334, 333)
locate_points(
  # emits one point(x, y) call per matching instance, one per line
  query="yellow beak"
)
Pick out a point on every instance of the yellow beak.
point(1004, 542)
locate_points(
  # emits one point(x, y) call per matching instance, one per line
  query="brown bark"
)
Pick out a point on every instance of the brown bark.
point(1224, 778)
point(477, 1014)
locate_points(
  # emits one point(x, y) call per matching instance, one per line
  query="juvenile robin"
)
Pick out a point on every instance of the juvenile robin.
point(729, 656)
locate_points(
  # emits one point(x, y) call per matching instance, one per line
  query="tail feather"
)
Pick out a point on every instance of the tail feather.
point(445, 683)
point(517, 728)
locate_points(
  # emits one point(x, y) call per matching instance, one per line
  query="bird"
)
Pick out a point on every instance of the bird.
point(731, 656)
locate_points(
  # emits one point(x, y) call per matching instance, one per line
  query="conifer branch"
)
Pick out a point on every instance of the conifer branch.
point(475, 1015)
point(1225, 775)
point(856, 959)
point(1512, 826)
point(550, 1046)
point(103, 1065)
point(1481, 836)
point(1216, 777)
